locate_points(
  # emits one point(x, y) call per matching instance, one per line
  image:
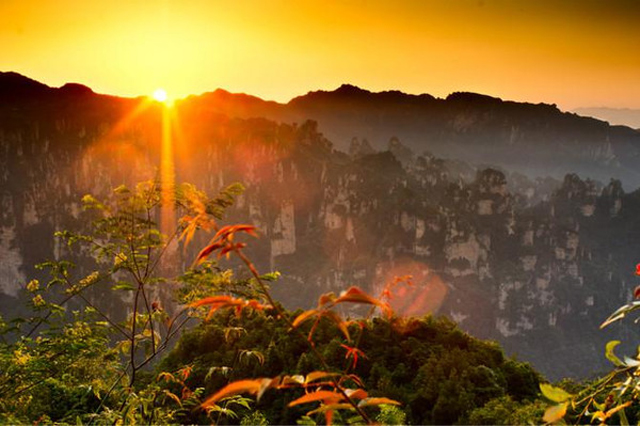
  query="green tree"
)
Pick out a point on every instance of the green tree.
point(75, 357)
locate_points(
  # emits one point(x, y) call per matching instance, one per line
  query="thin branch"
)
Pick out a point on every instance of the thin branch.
point(133, 336)
point(113, 324)
point(149, 321)
point(106, 396)
point(62, 302)
point(164, 344)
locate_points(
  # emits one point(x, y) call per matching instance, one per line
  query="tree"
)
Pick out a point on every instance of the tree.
point(75, 356)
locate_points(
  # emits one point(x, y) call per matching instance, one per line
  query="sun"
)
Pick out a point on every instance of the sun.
point(160, 95)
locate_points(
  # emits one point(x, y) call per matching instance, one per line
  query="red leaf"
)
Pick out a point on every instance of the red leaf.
point(357, 393)
point(220, 302)
point(353, 353)
point(328, 415)
point(358, 381)
point(226, 232)
point(205, 252)
point(321, 395)
point(234, 388)
point(212, 300)
point(355, 295)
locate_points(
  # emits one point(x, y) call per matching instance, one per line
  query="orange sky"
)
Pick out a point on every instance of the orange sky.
point(573, 52)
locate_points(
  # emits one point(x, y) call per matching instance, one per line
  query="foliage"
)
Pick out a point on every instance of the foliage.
point(73, 360)
point(609, 399)
point(505, 411)
point(426, 364)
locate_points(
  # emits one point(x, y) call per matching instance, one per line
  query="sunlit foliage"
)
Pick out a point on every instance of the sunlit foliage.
point(249, 361)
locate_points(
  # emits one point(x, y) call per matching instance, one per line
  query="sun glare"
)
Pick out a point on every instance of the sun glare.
point(160, 95)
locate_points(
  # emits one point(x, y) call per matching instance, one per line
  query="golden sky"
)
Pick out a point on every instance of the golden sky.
point(573, 52)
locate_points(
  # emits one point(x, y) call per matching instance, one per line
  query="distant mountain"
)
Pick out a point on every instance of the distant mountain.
point(535, 263)
point(15, 87)
point(537, 140)
point(533, 139)
point(615, 116)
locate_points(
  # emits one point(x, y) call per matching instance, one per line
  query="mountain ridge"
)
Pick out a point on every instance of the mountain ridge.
point(11, 80)
point(535, 139)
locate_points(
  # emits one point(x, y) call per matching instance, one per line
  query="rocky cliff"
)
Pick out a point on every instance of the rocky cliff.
point(536, 264)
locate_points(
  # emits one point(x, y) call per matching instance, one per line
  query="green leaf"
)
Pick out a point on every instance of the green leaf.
point(123, 286)
point(554, 394)
point(623, 418)
point(377, 401)
point(122, 189)
point(271, 276)
point(610, 355)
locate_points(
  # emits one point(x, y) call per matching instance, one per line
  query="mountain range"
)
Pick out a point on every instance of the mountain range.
point(617, 116)
point(518, 221)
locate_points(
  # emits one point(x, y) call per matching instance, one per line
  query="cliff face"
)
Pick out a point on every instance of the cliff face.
point(536, 139)
point(535, 264)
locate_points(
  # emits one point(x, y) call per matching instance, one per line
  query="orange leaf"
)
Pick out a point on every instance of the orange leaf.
point(185, 372)
point(357, 393)
point(168, 377)
point(331, 407)
point(220, 302)
point(342, 326)
point(377, 401)
point(353, 353)
point(556, 412)
point(321, 395)
point(358, 381)
point(304, 316)
point(205, 252)
point(266, 384)
point(234, 388)
point(355, 295)
point(212, 300)
point(172, 396)
point(252, 303)
point(317, 375)
point(226, 232)
point(295, 380)
point(326, 298)
point(231, 247)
